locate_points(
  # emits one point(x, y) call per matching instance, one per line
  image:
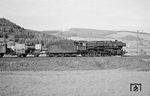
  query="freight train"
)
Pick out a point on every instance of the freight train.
point(86, 48)
point(68, 49)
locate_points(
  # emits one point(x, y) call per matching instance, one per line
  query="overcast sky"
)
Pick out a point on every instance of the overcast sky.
point(64, 14)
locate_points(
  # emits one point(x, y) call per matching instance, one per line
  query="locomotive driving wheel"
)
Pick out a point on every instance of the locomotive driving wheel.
point(99, 54)
point(92, 53)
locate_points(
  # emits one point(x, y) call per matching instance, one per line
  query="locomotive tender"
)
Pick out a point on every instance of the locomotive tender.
point(86, 48)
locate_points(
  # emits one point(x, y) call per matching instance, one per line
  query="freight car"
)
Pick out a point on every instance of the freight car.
point(34, 50)
point(86, 48)
point(21, 50)
point(3, 47)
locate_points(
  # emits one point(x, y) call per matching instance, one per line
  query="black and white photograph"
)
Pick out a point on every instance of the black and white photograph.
point(74, 47)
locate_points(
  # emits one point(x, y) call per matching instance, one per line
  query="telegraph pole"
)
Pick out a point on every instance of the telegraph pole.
point(137, 43)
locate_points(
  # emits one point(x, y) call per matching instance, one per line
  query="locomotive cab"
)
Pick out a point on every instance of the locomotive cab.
point(81, 45)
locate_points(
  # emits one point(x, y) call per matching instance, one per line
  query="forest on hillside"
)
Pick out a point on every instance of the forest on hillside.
point(18, 34)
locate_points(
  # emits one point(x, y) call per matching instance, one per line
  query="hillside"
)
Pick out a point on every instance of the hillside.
point(94, 34)
point(19, 34)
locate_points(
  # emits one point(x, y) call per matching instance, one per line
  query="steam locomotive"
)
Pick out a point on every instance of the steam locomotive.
point(86, 48)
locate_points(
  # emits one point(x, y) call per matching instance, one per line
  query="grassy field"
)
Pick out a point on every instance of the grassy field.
point(74, 63)
point(73, 83)
point(74, 76)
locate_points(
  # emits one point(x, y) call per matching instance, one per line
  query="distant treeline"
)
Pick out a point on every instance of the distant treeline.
point(29, 37)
